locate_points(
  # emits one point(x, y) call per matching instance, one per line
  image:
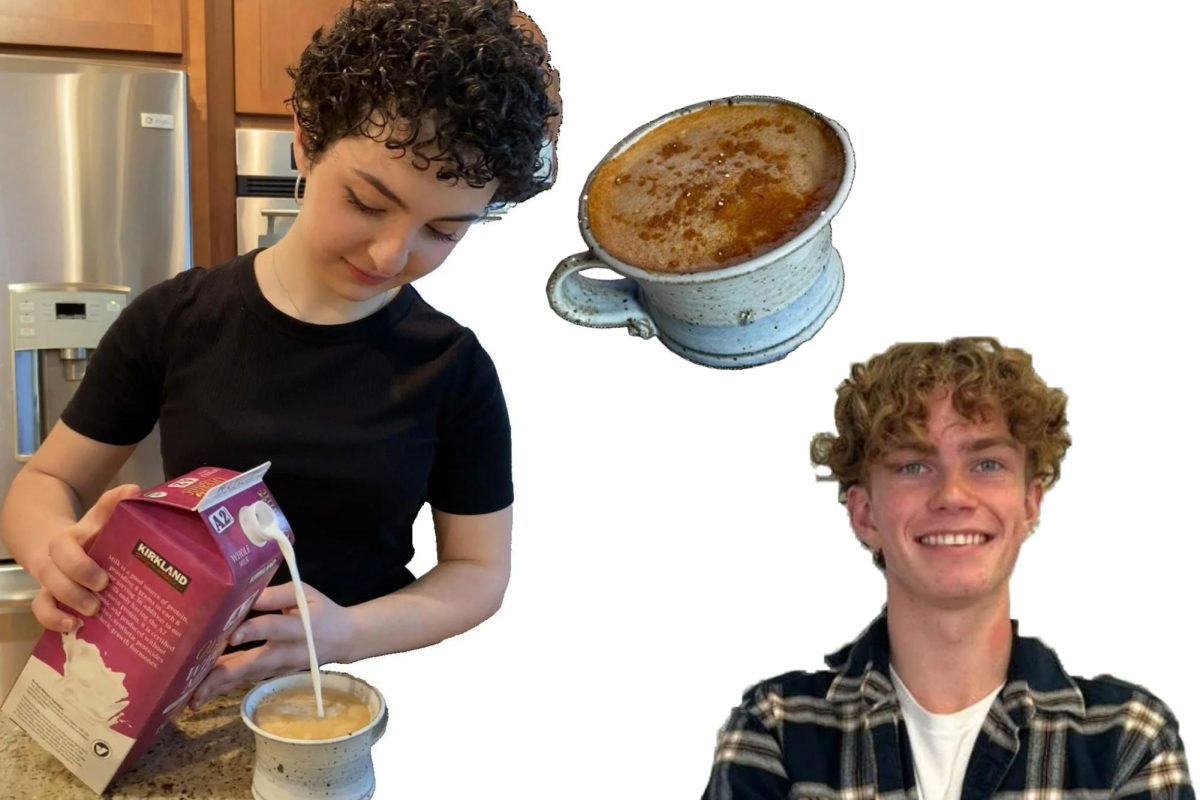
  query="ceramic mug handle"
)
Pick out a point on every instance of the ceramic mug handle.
point(597, 304)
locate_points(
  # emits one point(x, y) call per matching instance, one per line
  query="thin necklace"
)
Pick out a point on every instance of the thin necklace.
point(384, 297)
point(286, 293)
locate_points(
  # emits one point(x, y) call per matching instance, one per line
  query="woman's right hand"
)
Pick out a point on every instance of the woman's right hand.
point(67, 574)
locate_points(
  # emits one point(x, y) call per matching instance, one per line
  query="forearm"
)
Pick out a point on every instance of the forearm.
point(452, 598)
point(37, 506)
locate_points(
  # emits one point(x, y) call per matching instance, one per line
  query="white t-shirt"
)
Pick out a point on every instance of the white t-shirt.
point(941, 743)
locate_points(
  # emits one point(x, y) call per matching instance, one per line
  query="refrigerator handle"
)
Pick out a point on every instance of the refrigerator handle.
point(28, 405)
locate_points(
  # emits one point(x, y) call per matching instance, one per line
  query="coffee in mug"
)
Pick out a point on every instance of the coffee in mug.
point(716, 187)
point(296, 757)
point(292, 714)
point(717, 217)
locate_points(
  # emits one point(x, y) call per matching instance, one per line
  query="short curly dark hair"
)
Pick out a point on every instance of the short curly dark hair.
point(886, 401)
point(456, 82)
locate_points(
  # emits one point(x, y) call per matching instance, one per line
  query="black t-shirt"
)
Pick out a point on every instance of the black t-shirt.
point(362, 422)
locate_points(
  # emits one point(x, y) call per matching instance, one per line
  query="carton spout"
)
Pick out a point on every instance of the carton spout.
point(259, 523)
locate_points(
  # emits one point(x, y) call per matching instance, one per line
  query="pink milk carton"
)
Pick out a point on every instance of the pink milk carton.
point(182, 575)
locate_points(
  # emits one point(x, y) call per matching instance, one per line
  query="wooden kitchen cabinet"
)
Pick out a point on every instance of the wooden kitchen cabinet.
point(140, 26)
point(268, 36)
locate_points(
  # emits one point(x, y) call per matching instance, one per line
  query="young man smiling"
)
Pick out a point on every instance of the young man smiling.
point(942, 454)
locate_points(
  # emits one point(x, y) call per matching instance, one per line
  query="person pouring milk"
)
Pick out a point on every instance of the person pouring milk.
point(414, 119)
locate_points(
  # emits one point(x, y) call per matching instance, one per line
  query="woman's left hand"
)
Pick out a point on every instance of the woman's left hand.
point(284, 649)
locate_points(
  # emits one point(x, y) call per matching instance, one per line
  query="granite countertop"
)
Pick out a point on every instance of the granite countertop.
point(205, 754)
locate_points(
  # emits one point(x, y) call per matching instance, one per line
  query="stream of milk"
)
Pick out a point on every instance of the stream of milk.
point(260, 526)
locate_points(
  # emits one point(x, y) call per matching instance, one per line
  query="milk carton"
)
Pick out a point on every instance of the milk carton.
point(182, 575)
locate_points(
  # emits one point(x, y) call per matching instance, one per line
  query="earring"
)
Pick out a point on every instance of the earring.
point(296, 192)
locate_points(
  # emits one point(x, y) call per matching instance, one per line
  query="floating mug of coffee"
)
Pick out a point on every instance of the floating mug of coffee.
point(718, 217)
point(301, 755)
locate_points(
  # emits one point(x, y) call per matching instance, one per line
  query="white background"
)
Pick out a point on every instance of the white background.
point(1024, 171)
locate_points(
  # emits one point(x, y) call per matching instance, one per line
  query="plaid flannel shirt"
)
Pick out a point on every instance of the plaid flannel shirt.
point(839, 735)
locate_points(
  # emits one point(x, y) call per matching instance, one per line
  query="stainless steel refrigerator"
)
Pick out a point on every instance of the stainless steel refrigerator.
point(94, 208)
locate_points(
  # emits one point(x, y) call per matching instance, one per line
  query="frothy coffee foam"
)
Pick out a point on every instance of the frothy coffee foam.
point(715, 187)
point(292, 714)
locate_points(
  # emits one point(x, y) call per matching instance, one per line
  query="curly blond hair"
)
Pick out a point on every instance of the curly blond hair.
point(886, 401)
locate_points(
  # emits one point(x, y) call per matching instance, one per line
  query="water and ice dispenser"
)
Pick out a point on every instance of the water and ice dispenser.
point(55, 326)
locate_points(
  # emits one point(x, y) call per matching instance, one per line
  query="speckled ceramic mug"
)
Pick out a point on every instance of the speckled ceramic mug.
point(330, 769)
point(743, 315)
